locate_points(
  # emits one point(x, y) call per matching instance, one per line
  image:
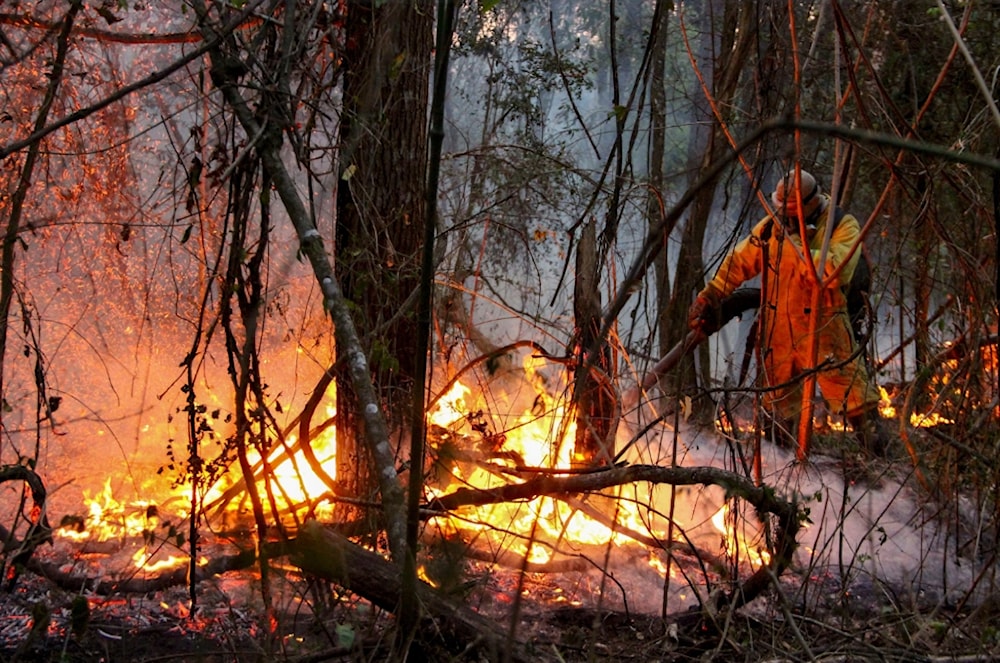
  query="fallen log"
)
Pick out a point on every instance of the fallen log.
point(322, 552)
point(140, 582)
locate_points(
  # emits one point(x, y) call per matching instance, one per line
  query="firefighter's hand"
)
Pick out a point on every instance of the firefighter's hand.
point(700, 312)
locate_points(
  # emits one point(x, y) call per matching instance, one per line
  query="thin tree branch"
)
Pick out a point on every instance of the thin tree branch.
point(345, 332)
point(118, 95)
point(978, 75)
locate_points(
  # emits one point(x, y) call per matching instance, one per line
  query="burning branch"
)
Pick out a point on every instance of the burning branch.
point(146, 583)
point(763, 499)
point(38, 532)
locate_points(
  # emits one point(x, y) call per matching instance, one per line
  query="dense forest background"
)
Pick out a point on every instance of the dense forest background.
point(232, 227)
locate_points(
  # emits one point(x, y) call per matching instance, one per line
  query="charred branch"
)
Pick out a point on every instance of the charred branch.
point(20, 552)
point(764, 500)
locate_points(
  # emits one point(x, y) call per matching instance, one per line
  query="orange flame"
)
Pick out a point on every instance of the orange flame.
point(541, 436)
point(735, 541)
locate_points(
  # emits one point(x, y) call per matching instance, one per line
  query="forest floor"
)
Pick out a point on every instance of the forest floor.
point(862, 625)
point(559, 617)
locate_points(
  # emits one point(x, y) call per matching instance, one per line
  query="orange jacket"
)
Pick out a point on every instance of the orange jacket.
point(788, 281)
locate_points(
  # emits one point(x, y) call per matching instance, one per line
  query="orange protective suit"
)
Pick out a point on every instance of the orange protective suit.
point(784, 345)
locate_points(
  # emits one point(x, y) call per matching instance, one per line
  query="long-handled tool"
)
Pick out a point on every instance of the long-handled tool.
point(732, 306)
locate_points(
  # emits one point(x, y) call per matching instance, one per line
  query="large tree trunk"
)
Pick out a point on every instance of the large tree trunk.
point(380, 206)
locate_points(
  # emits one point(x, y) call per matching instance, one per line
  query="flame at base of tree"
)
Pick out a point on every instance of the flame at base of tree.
point(483, 441)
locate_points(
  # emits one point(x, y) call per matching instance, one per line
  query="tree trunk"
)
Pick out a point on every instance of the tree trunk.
point(595, 398)
point(657, 142)
point(380, 206)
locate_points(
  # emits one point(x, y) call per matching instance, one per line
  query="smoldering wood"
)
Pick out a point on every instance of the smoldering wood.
point(322, 552)
point(19, 552)
point(141, 582)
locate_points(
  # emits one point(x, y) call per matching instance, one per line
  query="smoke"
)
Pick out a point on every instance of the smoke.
point(869, 530)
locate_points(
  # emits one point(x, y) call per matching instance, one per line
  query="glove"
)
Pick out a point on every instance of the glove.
point(702, 309)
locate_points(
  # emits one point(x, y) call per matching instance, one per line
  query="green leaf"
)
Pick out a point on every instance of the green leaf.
point(488, 5)
point(345, 636)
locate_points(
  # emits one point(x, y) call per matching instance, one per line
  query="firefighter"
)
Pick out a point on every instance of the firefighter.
point(787, 294)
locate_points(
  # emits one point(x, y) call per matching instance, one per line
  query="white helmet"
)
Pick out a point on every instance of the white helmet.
point(787, 205)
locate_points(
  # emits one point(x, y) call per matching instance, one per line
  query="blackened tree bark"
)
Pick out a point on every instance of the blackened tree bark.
point(380, 204)
point(595, 399)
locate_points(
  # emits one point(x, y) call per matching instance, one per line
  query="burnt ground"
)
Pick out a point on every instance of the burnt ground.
point(313, 623)
point(559, 617)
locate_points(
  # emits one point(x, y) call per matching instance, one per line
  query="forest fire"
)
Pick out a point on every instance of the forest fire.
point(539, 440)
point(109, 519)
point(469, 452)
point(296, 486)
point(213, 210)
point(535, 441)
point(111, 525)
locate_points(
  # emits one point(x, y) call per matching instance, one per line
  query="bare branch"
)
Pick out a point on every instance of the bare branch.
point(762, 498)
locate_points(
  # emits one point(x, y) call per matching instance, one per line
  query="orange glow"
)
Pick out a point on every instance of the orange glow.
point(541, 436)
point(734, 538)
point(917, 420)
point(296, 486)
point(450, 408)
point(146, 560)
point(108, 519)
point(298, 482)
